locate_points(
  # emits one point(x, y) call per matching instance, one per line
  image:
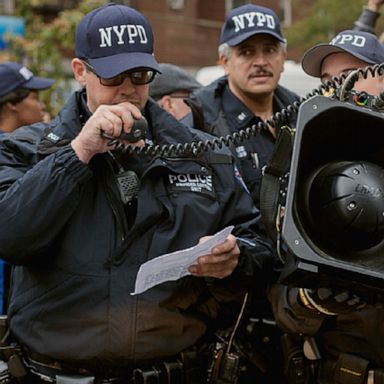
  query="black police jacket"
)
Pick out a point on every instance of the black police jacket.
point(64, 227)
point(208, 114)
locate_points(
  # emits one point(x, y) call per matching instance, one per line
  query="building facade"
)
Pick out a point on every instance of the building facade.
point(186, 32)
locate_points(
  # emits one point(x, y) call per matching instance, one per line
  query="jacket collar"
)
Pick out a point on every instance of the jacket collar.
point(164, 127)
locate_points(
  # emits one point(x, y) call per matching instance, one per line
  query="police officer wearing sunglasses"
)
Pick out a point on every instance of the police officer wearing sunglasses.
point(79, 216)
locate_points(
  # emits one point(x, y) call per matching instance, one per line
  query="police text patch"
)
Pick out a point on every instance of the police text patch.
point(191, 182)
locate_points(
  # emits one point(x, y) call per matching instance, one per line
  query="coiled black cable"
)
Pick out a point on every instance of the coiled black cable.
point(344, 82)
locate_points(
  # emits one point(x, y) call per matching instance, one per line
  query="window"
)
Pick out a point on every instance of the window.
point(286, 6)
point(230, 4)
point(7, 7)
point(176, 5)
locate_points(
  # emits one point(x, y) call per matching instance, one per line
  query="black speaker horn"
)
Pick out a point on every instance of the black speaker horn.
point(334, 217)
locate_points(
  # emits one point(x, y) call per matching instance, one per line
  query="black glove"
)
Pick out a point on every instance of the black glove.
point(330, 301)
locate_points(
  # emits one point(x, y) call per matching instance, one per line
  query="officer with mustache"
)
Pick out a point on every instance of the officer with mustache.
point(252, 52)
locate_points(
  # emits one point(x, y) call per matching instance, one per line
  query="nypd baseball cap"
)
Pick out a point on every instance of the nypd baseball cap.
point(248, 20)
point(362, 45)
point(172, 79)
point(14, 75)
point(114, 39)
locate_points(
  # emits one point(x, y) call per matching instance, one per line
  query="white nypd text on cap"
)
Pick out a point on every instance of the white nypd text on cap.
point(253, 19)
point(125, 34)
point(356, 40)
point(26, 73)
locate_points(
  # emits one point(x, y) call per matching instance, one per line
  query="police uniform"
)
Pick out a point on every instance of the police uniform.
point(17, 81)
point(330, 347)
point(215, 109)
point(77, 248)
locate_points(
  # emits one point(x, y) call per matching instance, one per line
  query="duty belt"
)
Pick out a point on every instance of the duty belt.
point(167, 372)
point(181, 370)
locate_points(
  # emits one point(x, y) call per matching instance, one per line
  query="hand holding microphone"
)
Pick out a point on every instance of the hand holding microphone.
point(110, 125)
point(137, 132)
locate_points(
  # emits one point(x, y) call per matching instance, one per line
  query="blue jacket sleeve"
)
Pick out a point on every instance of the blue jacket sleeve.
point(36, 197)
point(367, 21)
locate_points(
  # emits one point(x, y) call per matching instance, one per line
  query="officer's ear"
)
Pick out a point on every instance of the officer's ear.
point(166, 103)
point(223, 61)
point(284, 52)
point(10, 106)
point(79, 70)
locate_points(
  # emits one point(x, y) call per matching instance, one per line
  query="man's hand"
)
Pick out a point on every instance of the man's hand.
point(374, 5)
point(221, 262)
point(110, 120)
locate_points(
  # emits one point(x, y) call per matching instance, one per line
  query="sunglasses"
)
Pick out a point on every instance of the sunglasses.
point(137, 77)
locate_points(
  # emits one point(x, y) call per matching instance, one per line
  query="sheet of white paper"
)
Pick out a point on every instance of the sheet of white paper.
point(173, 266)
